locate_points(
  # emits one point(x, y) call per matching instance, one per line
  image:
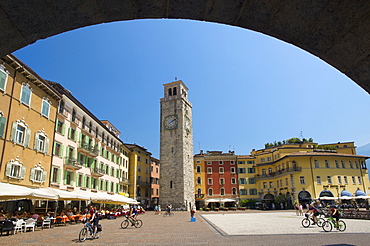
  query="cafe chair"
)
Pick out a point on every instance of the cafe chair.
point(6, 226)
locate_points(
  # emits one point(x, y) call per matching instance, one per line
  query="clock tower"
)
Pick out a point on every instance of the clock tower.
point(176, 148)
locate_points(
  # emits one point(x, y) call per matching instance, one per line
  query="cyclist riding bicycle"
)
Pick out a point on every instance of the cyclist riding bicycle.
point(314, 211)
point(335, 213)
point(133, 212)
point(94, 219)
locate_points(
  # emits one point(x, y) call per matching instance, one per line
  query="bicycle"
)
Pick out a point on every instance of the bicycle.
point(306, 222)
point(168, 214)
point(137, 223)
point(328, 225)
point(88, 228)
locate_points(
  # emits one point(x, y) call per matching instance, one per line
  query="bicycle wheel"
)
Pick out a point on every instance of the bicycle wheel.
point(320, 222)
point(306, 223)
point(342, 225)
point(83, 234)
point(165, 214)
point(97, 235)
point(327, 226)
point(124, 224)
point(138, 223)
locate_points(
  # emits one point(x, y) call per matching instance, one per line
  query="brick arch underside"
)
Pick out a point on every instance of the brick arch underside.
point(338, 32)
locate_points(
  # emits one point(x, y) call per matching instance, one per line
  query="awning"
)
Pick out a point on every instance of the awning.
point(328, 198)
point(227, 200)
point(13, 192)
point(65, 195)
point(213, 200)
point(362, 197)
point(346, 197)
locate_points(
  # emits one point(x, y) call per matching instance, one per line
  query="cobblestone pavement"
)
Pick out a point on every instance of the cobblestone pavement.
point(211, 228)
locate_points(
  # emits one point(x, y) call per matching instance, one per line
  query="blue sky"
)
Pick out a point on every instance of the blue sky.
point(247, 89)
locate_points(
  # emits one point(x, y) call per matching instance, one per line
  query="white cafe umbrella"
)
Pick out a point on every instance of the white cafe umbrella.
point(13, 192)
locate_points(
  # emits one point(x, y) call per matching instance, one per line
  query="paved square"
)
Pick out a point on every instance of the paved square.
point(273, 223)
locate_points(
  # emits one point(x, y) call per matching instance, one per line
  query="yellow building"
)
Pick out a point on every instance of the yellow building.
point(200, 180)
point(139, 174)
point(247, 177)
point(302, 171)
point(28, 107)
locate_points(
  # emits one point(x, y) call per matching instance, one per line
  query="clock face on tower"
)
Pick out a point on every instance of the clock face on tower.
point(187, 124)
point(170, 122)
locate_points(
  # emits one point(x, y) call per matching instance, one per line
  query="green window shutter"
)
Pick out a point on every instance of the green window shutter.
point(46, 147)
point(8, 169)
point(56, 124)
point(52, 174)
point(67, 153)
point(27, 138)
point(69, 132)
point(83, 181)
point(63, 129)
point(61, 151)
point(3, 77)
point(2, 126)
point(44, 174)
point(59, 173)
point(12, 134)
point(65, 177)
point(23, 172)
point(73, 179)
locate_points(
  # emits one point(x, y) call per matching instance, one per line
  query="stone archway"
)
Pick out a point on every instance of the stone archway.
point(335, 31)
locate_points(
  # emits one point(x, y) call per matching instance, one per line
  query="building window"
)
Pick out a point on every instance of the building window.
point(329, 179)
point(356, 164)
point(286, 182)
point(250, 162)
point(316, 163)
point(263, 172)
point(327, 164)
point(336, 164)
point(222, 191)
point(198, 169)
point(222, 181)
point(2, 124)
point(268, 158)
point(209, 163)
point(210, 181)
point(3, 77)
point(252, 180)
point(26, 93)
point(251, 170)
point(15, 169)
point(353, 179)
point(233, 181)
point(339, 180)
point(139, 168)
point(241, 170)
point(221, 162)
point(265, 185)
point(270, 170)
point(59, 127)
point(241, 162)
point(210, 192)
point(345, 180)
point(234, 191)
point(271, 185)
point(350, 164)
point(38, 175)
point(41, 142)
point(232, 170)
point(343, 165)
point(242, 181)
point(262, 159)
point(221, 170)
point(243, 192)
point(209, 170)
point(45, 109)
point(359, 180)
point(138, 158)
point(252, 191)
point(55, 175)
point(199, 180)
point(20, 133)
point(231, 162)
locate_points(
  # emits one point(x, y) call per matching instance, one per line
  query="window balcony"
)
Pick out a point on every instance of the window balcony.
point(88, 150)
point(278, 173)
point(72, 163)
point(64, 112)
point(124, 181)
point(97, 172)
